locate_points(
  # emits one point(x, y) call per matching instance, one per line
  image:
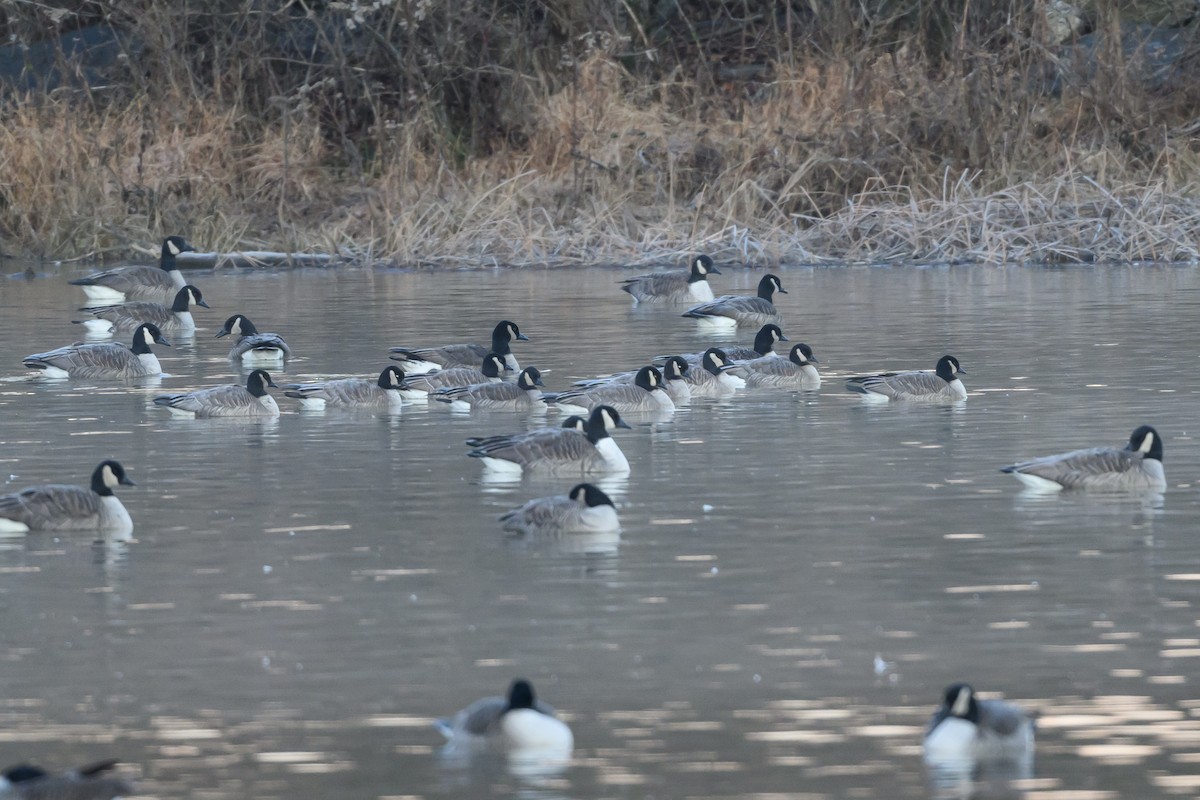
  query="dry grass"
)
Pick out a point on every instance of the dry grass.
point(861, 160)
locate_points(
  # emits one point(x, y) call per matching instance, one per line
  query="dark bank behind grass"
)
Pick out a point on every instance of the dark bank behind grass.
point(579, 132)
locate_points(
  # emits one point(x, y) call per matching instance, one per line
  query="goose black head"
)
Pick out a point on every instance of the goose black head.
point(507, 331)
point(147, 334)
point(767, 336)
point(590, 495)
point(715, 360)
point(648, 378)
point(23, 773)
point(238, 325)
point(107, 476)
point(1145, 440)
point(675, 367)
point(493, 365)
point(602, 420)
point(391, 377)
point(768, 286)
point(520, 695)
point(802, 354)
point(959, 701)
point(186, 297)
point(948, 368)
point(530, 378)
point(702, 267)
point(171, 247)
point(258, 381)
point(575, 423)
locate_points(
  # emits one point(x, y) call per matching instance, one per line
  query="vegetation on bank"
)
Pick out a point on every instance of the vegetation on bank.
point(583, 131)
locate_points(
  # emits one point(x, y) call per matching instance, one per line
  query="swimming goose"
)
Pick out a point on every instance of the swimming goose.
point(58, 507)
point(103, 360)
point(941, 385)
point(713, 378)
point(646, 393)
point(794, 372)
point(155, 284)
point(1136, 468)
point(584, 509)
point(384, 392)
point(731, 310)
point(518, 722)
point(496, 396)
point(674, 287)
point(764, 345)
point(557, 449)
point(571, 423)
point(252, 347)
point(426, 359)
point(674, 370)
point(25, 782)
point(966, 728)
point(419, 387)
point(230, 400)
point(176, 317)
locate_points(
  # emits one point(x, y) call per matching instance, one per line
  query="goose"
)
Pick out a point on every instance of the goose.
point(104, 359)
point(674, 287)
point(731, 310)
point(674, 372)
point(230, 400)
point(1136, 468)
point(25, 782)
point(557, 449)
point(419, 387)
point(384, 392)
point(764, 345)
point(794, 372)
point(175, 318)
point(941, 385)
point(427, 359)
point(518, 722)
point(58, 507)
point(155, 284)
point(646, 393)
point(713, 378)
point(584, 509)
point(571, 423)
point(496, 396)
point(252, 347)
point(966, 728)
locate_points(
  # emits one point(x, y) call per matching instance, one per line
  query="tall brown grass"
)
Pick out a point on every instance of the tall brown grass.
point(557, 138)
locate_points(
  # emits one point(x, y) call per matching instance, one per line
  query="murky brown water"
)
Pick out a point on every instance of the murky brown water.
point(303, 597)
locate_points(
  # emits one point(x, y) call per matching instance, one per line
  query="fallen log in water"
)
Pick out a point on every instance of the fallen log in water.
point(256, 258)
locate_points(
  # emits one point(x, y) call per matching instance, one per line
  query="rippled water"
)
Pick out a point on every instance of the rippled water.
point(303, 597)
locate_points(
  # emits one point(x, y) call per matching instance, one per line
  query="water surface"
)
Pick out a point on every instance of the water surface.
point(302, 597)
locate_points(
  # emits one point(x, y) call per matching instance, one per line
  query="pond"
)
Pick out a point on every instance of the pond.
point(797, 577)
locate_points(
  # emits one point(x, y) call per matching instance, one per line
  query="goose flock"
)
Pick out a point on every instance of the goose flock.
point(145, 302)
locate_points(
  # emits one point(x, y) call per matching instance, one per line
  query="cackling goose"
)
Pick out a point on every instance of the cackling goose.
point(252, 347)
point(518, 722)
point(426, 359)
point(585, 509)
point(646, 393)
point(155, 284)
point(731, 310)
point(419, 387)
point(175, 318)
point(966, 728)
point(794, 372)
point(674, 287)
point(712, 379)
point(940, 385)
point(557, 449)
point(1136, 468)
point(230, 400)
point(674, 372)
point(58, 507)
point(764, 345)
point(103, 360)
point(493, 396)
point(384, 392)
point(25, 782)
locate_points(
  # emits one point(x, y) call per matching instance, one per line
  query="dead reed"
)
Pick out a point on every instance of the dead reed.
point(856, 152)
